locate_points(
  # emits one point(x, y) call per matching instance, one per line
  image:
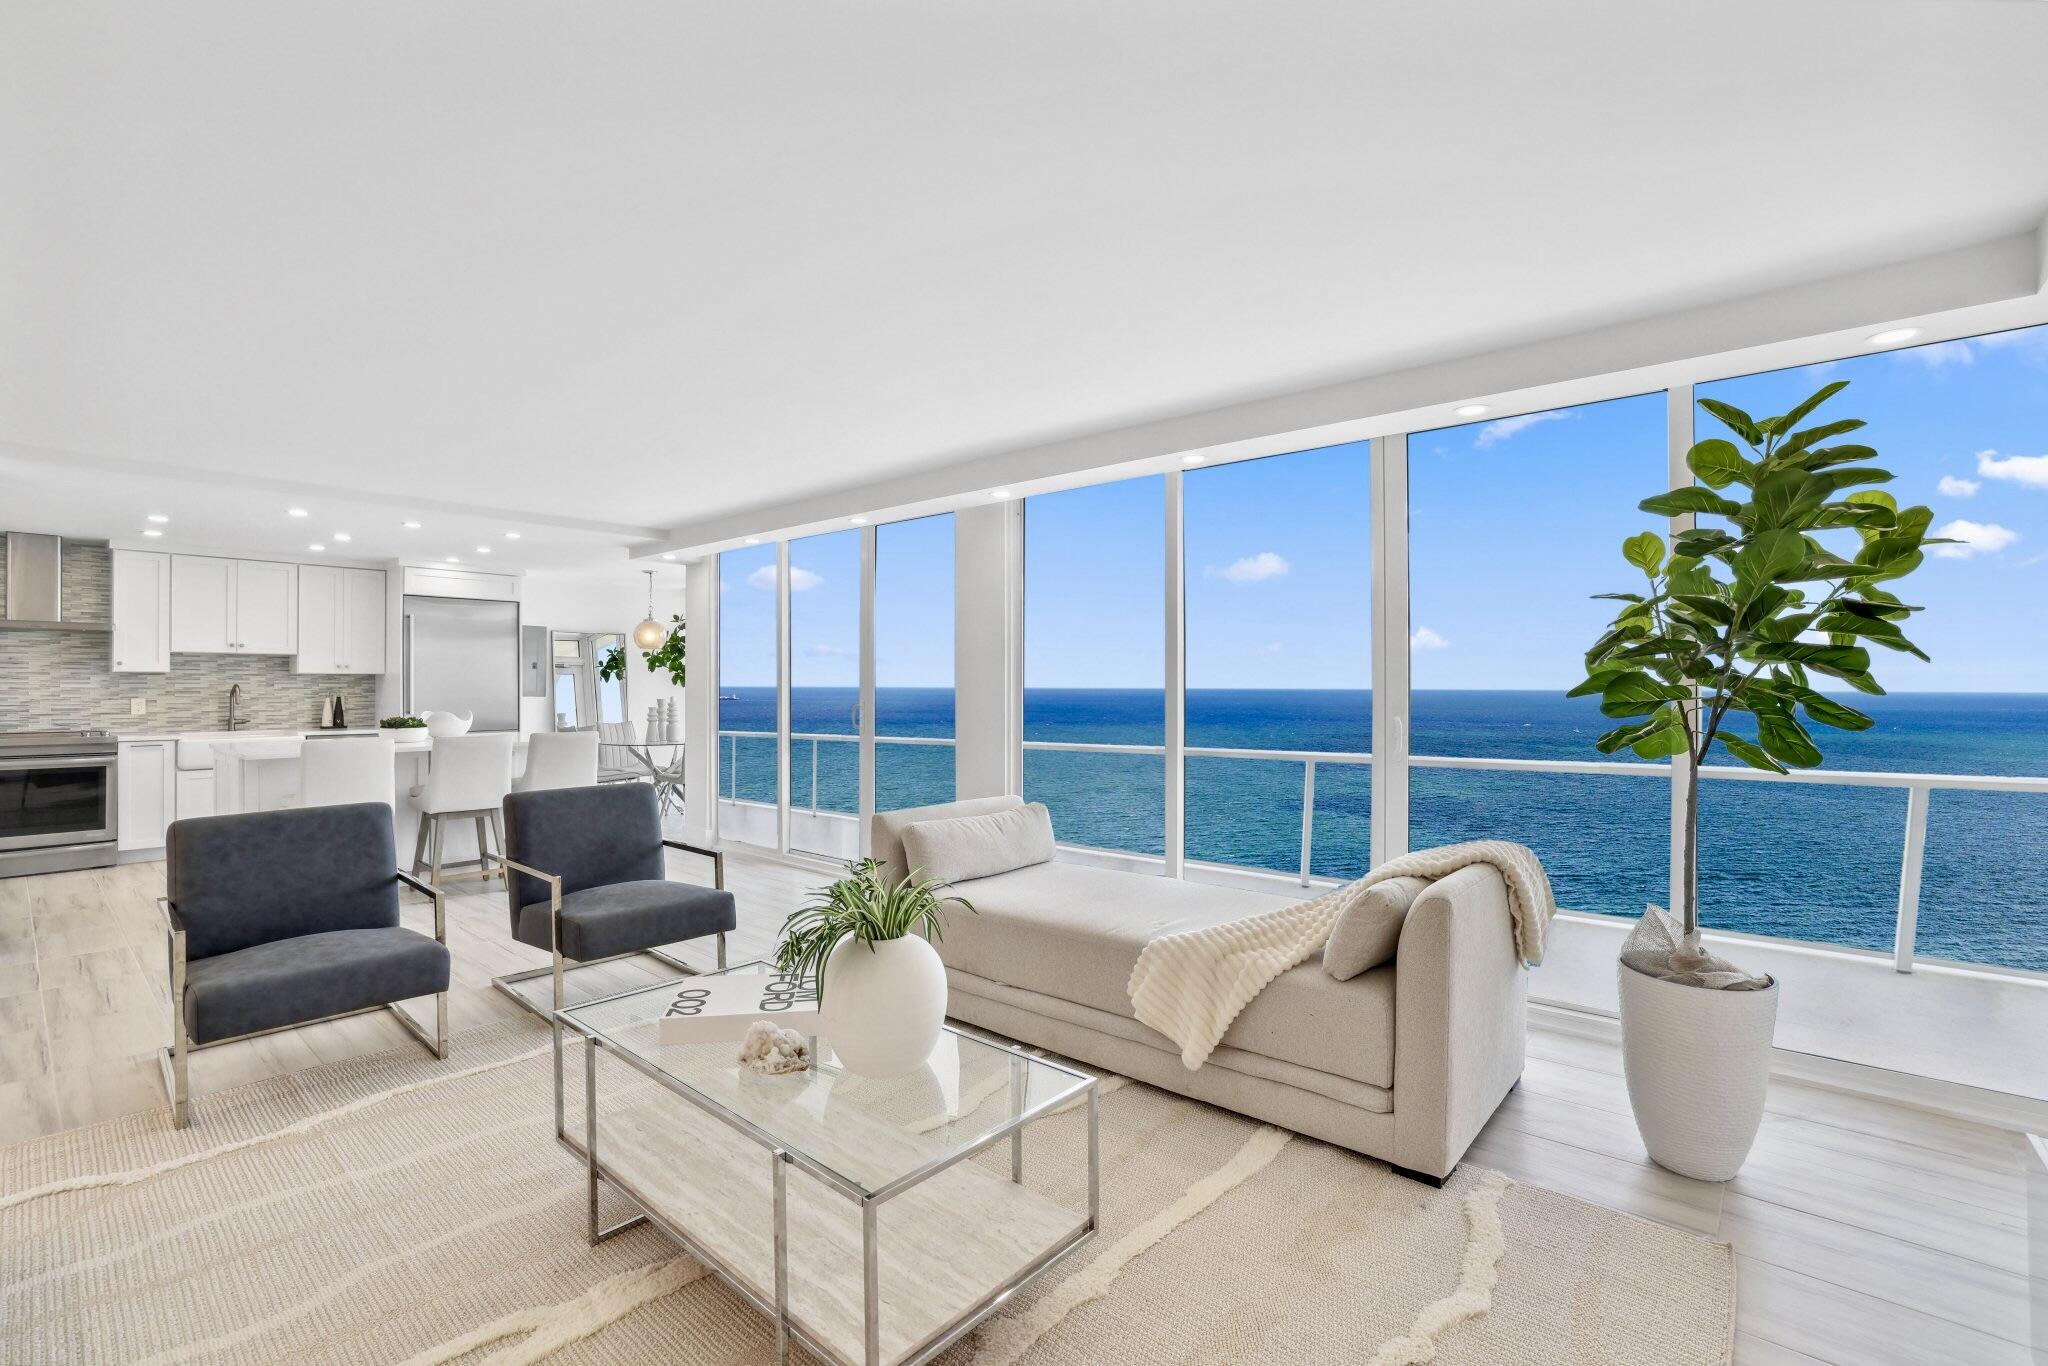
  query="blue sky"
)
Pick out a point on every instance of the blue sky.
point(1513, 524)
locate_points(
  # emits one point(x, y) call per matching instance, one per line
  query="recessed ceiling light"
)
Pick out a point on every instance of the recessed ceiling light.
point(410, 526)
point(294, 512)
point(455, 559)
point(152, 531)
point(669, 556)
point(999, 493)
point(158, 517)
point(1471, 410)
point(858, 521)
point(511, 535)
point(1193, 459)
point(483, 550)
point(316, 546)
point(1892, 336)
point(339, 536)
point(753, 540)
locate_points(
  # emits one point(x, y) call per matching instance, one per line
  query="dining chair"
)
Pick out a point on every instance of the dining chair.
point(558, 759)
point(467, 779)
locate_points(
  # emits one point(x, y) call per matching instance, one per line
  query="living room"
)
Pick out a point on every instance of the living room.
point(1314, 683)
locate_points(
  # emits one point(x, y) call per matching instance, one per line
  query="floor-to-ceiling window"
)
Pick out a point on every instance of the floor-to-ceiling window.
point(824, 694)
point(1513, 525)
point(1095, 662)
point(748, 762)
point(1278, 591)
point(1963, 426)
point(913, 662)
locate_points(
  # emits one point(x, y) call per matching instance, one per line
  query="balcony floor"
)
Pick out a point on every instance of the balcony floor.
point(1951, 1024)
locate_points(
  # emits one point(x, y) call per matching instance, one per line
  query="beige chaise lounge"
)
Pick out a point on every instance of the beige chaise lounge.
point(1403, 1062)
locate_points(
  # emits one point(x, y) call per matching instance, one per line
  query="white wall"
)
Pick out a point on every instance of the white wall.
point(603, 600)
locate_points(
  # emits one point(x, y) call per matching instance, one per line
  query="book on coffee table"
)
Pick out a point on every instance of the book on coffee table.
point(717, 1007)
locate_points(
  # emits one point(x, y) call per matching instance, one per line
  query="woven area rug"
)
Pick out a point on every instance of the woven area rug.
point(395, 1209)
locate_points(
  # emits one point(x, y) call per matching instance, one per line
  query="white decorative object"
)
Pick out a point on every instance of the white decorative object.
point(772, 1050)
point(445, 723)
point(675, 723)
point(725, 1005)
point(1698, 1064)
point(653, 731)
point(883, 1004)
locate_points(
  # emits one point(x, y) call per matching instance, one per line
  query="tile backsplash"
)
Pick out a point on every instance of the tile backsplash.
point(62, 679)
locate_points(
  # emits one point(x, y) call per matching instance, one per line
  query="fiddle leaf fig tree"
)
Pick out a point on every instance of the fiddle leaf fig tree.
point(1741, 614)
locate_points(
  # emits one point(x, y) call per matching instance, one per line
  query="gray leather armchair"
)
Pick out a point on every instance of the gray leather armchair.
point(278, 919)
point(587, 881)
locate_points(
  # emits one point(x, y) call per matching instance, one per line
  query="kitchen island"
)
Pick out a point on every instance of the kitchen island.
point(261, 773)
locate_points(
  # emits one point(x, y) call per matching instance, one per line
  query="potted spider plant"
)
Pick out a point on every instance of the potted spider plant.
point(865, 944)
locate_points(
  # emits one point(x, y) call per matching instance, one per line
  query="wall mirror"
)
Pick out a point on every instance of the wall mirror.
point(581, 699)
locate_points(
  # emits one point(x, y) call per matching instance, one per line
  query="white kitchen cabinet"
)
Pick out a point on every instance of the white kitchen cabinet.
point(194, 793)
point(341, 620)
point(202, 605)
point(142, 612)
point(147, 801)
point(461, 583)
point(236, 607)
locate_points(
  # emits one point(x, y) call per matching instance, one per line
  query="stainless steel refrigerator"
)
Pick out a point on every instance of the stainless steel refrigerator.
point(462, 654)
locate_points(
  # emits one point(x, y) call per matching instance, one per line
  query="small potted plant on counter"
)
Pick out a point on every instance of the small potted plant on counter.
point(881, 987)
point(402, 723)
point(1738, 618)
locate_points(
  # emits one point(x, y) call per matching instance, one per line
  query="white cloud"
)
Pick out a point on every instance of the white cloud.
point(800, 579)
point(1254, 568)
point(1940, 355)
point(1952, 487)
point(1426, 639)
point(1493, 433)
point(2031, 470)
point(1973, 538)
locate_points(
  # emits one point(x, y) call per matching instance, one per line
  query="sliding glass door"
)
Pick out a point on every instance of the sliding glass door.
point(824, 694)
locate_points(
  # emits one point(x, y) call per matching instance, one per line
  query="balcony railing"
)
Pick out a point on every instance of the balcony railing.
point(1917, 787)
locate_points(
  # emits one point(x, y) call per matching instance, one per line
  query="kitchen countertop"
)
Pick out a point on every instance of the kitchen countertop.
point(269, 732)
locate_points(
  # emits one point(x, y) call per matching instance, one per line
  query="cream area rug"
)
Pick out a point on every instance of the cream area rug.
point(396, 1209)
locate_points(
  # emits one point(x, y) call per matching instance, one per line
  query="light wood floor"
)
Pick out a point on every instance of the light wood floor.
point(1865, 1231)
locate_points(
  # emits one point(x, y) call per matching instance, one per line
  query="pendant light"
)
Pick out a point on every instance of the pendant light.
point(649, 634)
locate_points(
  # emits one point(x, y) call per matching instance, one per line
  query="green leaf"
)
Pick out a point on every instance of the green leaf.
point(1623, 736)
point(1636, 694)
point(1737, 421)
point(1832, 659)
point(1784, 498)
point(1644, 550)
point(1829, 456)
point(1597, 681)
point(1717, 463)
point(1799, 441)
point(1712, 608)
point(1768, 556)
point(1750, 754)
point(1691, 498)
point(1666, 738)
point(1700, 542)
point(1785, 740)
point(1800, 413)
point(1831, 713)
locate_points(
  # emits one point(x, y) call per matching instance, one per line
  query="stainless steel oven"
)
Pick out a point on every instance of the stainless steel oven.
point(59, 801)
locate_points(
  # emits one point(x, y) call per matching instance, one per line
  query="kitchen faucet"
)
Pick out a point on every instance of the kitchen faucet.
point(234, 696)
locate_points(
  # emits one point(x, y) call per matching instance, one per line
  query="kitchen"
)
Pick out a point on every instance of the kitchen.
point(141, 685)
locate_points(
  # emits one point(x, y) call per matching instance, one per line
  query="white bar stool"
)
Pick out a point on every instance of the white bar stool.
point(467, 779)
point(345, 770)
point(565, 759)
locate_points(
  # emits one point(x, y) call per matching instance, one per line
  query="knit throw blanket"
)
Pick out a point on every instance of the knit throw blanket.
point(1190, 986)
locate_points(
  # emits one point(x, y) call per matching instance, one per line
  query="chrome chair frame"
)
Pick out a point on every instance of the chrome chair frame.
point(555, 968)
point(172, 1060)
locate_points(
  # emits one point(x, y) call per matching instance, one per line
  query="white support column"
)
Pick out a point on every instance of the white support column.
point(1678, 440)
point(988, 650)
point(1390, 645)
point(1176, 678)
point(700, 702)
point(782, 696)
point(1908, 927)
point(869, 540)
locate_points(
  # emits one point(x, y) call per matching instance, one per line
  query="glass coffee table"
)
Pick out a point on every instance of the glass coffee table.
point(872, 1219)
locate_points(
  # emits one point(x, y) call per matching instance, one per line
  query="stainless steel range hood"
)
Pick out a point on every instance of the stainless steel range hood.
point(35, 586)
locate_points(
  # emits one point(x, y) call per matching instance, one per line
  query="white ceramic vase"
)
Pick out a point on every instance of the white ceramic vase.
point(448, 723)
point(1698, 1063)
point(884, 1004)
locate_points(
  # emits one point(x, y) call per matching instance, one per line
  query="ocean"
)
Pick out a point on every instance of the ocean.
point(1804, 862)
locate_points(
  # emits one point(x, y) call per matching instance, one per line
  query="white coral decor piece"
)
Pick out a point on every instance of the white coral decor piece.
point(772, 1050)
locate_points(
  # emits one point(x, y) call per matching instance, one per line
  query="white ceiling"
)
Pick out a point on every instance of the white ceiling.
point(594, 269)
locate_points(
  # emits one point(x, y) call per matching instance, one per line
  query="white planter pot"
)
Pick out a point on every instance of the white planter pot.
point(1698, 1063)
point(884, 1004)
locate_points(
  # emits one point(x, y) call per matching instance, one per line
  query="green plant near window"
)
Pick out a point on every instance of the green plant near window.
point(1740, 618)
point(862, 904)
point(669, 657)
